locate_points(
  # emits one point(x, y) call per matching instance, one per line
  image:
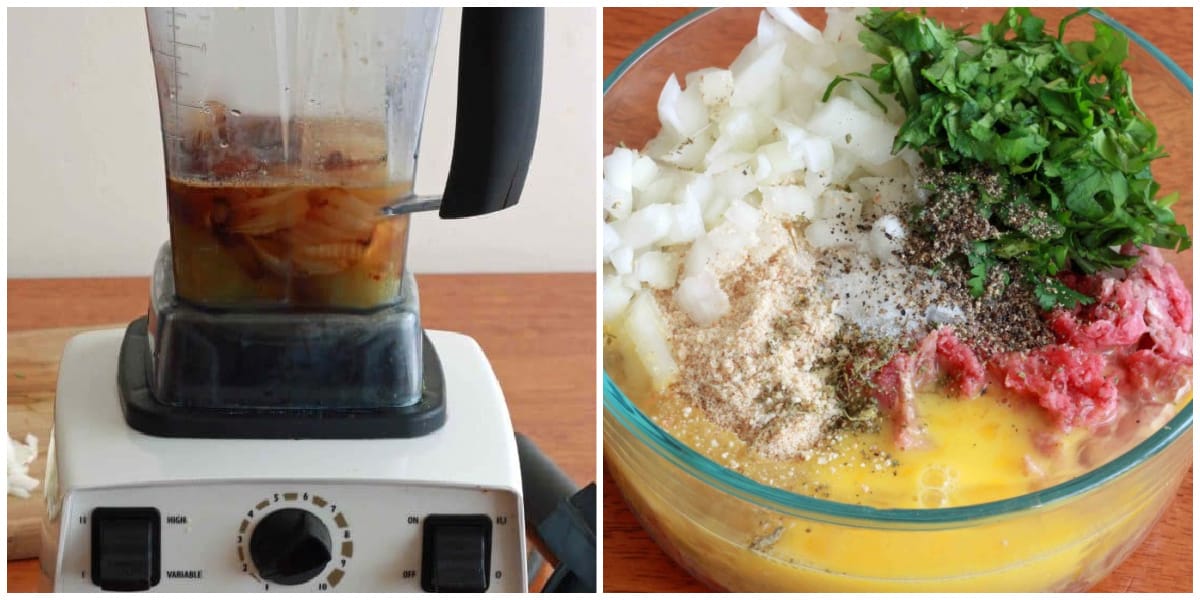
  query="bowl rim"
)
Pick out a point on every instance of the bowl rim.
point(617, 404)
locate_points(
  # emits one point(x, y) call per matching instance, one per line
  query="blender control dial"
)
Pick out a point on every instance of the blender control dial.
point(292, 538)
point(290, 546)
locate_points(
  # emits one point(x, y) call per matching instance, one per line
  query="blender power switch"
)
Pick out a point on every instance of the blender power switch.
point(456, 553)
point(126, 548)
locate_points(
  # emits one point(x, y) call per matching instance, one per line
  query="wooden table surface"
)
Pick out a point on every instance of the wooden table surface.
point(539, 331)
point(632, 562)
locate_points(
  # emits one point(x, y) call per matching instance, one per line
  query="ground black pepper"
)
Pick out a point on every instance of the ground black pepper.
point(1006, 317)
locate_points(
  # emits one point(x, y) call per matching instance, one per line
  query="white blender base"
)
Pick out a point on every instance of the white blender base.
point(371, 495)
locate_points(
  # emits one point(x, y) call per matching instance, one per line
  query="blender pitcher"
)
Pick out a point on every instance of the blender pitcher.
point(290, 140)
point(282, 306)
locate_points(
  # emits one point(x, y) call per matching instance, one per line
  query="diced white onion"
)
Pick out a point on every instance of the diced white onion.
point(776, 161)
point(743, 216)
point(687, 223)
point(887, 238)
point(730, 243)
point(612, 239)
point(831, 233)
point(849, 127)
point(618, 169)
point(719, 251)
point(657, 269)
point(616, 297)
point(739, 130)
point(682, 111)
point(734, 183)
point(769, 30)
point(643, 172)
point(20, 456)
point(818, 155)
point(689, 153)
point(701, 256)
point(840, 205)
point(645, 227)
point(646, 328)
point(758, 78)
point(622, 260)
point(789, 201)
point(841, 24)
point(701, 297)
point(792, 20)
point(661, 190)
point(724, 161)
point(617, 204)
point(716, 86)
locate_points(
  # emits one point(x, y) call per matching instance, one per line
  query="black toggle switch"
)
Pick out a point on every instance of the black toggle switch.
point(126, 548)
point(456, 553)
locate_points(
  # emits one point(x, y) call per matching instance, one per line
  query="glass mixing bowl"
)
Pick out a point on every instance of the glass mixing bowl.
point(713, 521)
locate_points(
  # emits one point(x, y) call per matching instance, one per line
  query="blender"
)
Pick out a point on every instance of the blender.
point(280, 420)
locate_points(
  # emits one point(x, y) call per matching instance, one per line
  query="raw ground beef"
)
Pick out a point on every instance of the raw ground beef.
point(1135, 339)
point(1149, 306)
point(894, 390)
point(1149, 371)
point(1141, 323)
point(940, 353)
point(1067, 381)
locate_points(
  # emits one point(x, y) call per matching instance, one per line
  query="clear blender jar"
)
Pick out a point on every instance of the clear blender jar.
point(287, 133)
point(282, 306)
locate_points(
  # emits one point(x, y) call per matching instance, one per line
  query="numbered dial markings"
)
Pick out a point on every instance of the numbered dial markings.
point(341, 543)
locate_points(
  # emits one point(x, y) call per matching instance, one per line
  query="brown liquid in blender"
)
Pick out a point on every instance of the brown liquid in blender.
point(256, 233)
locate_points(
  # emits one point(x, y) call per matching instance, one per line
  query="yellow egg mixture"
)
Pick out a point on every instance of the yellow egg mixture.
point(976, 450)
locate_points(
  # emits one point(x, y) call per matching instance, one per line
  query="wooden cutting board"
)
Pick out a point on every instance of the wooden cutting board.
point(32, 377)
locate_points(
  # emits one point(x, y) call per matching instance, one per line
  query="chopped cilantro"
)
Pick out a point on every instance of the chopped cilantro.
point(1056, 119)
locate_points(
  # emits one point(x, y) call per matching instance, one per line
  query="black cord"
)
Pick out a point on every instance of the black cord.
point(535, 563)
point(560, 518)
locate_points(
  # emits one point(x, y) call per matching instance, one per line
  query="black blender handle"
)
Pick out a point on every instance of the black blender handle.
point(499, 95)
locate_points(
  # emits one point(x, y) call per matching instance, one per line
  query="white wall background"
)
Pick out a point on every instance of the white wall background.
point(85, 186)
